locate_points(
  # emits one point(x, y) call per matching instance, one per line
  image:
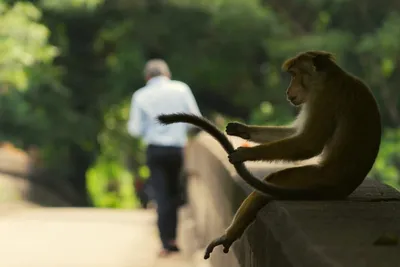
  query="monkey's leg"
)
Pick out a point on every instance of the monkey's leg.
point(296, 177)
point(245, 215)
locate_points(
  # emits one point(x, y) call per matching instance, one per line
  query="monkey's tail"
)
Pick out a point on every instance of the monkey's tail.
point(200, 122)
point(262, 186)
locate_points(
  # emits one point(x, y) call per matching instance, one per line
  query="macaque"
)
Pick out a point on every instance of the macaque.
point(339, 121)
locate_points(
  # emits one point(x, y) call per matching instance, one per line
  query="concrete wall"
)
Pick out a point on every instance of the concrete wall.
point(21, 180)
point(288, 233)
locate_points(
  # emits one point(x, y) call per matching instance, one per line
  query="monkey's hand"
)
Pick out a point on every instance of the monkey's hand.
point(240, 154)
point(238, 129)
point(224, 240)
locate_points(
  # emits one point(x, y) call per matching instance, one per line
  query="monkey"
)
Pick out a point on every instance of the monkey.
point(339, 120)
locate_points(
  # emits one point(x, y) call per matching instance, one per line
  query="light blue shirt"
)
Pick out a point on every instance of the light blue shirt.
point(161, 96)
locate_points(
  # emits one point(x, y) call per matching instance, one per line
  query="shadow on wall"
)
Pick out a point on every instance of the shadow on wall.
point(22, 180)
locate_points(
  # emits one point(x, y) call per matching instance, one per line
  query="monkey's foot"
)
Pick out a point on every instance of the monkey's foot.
point(223, 240)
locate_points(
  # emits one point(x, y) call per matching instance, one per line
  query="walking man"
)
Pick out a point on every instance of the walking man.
point(165, 144)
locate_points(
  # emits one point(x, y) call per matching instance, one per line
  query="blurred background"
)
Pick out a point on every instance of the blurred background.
point(68, 69)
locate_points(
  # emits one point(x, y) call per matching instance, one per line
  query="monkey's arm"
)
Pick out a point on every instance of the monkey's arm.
point(292, 149)
point(244, 216)
point(304, 145)
point(259, 134)
point(267, 134)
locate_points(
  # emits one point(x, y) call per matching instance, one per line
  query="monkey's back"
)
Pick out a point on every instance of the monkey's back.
point(355, 143)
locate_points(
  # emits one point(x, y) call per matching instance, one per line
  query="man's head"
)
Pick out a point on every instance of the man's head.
point(156, 67)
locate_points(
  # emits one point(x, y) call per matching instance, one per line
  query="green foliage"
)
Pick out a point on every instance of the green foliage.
point(144, 172)
point(23, 43)
point(71, 5)
point(387, 165)
point(268, 114)
point(99, 177)
point(121, 159)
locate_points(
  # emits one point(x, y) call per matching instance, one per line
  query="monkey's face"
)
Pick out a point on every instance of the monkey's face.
point(297, 92)
point(303, 78)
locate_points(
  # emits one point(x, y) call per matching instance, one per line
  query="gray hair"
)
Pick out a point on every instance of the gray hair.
point(156, 67)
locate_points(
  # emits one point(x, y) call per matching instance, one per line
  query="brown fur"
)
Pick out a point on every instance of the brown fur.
point(339, 120)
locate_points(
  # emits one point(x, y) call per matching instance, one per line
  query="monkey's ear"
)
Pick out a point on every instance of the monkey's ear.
point(320, 62)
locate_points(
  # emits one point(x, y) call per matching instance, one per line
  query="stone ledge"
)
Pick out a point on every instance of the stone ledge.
point(289, 233)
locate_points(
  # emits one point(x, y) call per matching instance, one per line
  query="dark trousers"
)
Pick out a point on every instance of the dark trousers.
point(165, 165)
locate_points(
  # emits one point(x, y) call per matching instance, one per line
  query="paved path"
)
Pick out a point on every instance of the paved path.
point(67, 237)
